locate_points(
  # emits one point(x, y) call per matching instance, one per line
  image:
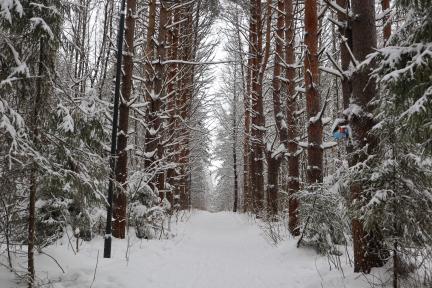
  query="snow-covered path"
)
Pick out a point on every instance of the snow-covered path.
point(211, 250)
point(224, 250)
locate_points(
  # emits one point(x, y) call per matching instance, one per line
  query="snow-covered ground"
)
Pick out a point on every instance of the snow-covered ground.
point(211, 250)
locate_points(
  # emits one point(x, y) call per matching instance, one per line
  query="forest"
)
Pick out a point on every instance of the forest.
point(215, 143)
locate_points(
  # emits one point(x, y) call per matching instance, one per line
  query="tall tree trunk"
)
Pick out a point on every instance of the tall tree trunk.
point(120, 198)
point(247, 145)
point(258, 120)
point(253, 34)
point(234, 140)
point(151, 97)
point(364, 90)
point(293, 160)
point(274, 161)
point(172, 94)
point(186, 91)
point(346, 40)
point(313, 101)
point(43, 92)
point(160, 79)
point(279, 114)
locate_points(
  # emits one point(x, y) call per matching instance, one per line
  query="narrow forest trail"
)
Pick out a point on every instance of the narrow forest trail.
point(211, 250)
point(224, 250)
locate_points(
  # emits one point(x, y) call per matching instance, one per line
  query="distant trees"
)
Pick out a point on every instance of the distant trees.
point(229, 113)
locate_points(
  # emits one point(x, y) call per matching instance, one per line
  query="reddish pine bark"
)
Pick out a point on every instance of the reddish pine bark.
point(293, 160)
point(313, 102)
point(366, 247)
point(152, 98)
point(159, 89)
point(172, 94)
point(120, 198)
point(258, 120)
point(274, 161)
point(254, 79)
point(186, 90)
point(279, 114)
point(273, 165)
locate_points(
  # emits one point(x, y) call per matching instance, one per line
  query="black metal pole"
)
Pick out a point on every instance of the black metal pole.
point(108, 229)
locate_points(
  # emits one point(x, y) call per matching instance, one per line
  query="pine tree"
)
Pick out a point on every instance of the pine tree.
point(293, 157)
point(367, 247)
point(120, 198)
point(398, 192)
point(313, 101)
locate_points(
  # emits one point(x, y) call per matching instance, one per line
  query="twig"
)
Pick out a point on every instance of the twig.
point(94, 274)
point(58, 264)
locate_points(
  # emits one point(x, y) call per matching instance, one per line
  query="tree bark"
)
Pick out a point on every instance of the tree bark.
point(152, 98)
point(31, 228)
point(313, 101)
point(160, 79)
point(387, 24)
point(120, 198)
point(293, 160)
point(366, 247)
point(234, 144)
point(186, 91)
point(43, 92)
point(172, 94)
point(345, 32)
point(278, 112)
point(247, 201)
point(273, 163)
point(258, 120)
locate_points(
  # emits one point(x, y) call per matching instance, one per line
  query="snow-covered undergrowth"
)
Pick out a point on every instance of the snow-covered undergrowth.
point(220, 250)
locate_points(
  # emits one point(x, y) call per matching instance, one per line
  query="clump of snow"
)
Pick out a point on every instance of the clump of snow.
point(7, 7)
point(67, 124)
point(39, 22)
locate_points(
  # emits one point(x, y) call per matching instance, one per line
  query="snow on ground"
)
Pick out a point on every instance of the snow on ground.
point(211, 250)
